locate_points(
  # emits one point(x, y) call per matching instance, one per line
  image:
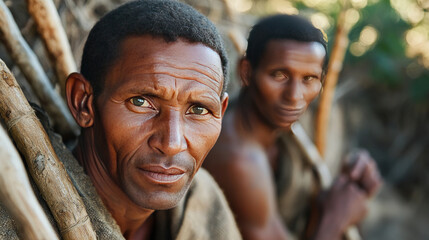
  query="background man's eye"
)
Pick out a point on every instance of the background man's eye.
point(309, 78)
point(139, 102)
point(279, 75)
point(198, 110)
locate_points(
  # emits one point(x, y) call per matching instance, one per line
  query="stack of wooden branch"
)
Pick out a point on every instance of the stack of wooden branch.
point(29, 136)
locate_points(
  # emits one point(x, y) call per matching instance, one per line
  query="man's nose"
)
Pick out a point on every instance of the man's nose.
point(293, 91)
point(169, 137)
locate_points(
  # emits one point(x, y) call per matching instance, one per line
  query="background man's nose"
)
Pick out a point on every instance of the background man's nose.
point(169, 137)
point(293, 91)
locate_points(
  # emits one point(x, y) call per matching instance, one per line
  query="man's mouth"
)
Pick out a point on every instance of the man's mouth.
point(161, 175)
point(291, 112)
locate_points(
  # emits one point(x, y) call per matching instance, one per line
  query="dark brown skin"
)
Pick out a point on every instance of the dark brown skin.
point(146, 135)
point(244, 159)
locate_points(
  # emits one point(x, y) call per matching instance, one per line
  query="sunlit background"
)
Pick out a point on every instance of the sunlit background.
point(382, 96)
point(411, 18)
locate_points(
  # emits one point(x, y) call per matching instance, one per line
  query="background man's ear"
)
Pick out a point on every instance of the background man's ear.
point(80, 99)
point(245, 71)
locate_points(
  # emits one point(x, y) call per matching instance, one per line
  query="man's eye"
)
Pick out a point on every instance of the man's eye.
point(279, 75)
point(310, 78)
point(198, 110)
point(139, 102)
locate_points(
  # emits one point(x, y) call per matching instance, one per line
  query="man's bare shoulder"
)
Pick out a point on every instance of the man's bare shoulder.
point(234, 149)
point(240, 166)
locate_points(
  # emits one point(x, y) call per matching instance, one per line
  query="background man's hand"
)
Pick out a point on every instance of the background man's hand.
point(345, 203)
point(361, 169)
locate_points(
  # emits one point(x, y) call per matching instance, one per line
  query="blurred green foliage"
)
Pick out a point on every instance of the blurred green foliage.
point(385, 62)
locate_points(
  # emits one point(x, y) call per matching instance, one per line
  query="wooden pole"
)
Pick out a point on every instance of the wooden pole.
point(52, 32)
point(323, 114)
point(17, 195)
point(43, 164)
point(27, 61)
point(334, 68)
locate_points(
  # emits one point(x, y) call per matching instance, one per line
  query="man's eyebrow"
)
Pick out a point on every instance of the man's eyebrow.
point(147, 90)
point(310, 71)
point(165, 93)
point(204, 98)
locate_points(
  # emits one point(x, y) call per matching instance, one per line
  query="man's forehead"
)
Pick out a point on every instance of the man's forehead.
point(145, 55)
point(291, 45)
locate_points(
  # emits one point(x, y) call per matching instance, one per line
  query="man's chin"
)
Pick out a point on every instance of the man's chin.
point(158, 200)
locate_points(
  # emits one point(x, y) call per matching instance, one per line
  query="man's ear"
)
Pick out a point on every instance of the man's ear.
point(245, 71)
point(80, 99)
point(224, 100)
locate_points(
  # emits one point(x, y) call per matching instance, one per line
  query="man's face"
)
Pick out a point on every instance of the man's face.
point(158, 116)
point(286, 80)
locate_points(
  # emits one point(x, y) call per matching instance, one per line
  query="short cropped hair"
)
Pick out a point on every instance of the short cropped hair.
point(167, 19)
point(278, 27)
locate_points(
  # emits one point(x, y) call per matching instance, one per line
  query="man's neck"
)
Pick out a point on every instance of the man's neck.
point(251, 122)
point(132, 219)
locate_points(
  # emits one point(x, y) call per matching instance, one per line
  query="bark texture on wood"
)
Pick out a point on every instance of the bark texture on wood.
point(52, 32)
point(43, 164)
point(17, 195)
point(30, 66)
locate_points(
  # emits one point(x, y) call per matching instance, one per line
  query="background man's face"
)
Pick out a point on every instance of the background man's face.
point(286, 80)
point(158, 116)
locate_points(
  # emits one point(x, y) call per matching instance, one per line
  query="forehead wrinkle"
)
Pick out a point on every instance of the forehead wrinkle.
point(207, 70)
point(218, 75)
point(156, 69)
point(195, 69)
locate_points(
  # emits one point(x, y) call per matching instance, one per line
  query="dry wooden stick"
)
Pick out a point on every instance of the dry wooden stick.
point(27, 61)
point(52, 32)
point(229, 11)
point(238, 40)
point(334, 68)
point(315, 159)
point(237, 37)
point(43, 164)
point(17, 195)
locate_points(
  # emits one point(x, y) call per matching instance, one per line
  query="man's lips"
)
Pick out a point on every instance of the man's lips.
point(292, 112)
point(161, 175)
